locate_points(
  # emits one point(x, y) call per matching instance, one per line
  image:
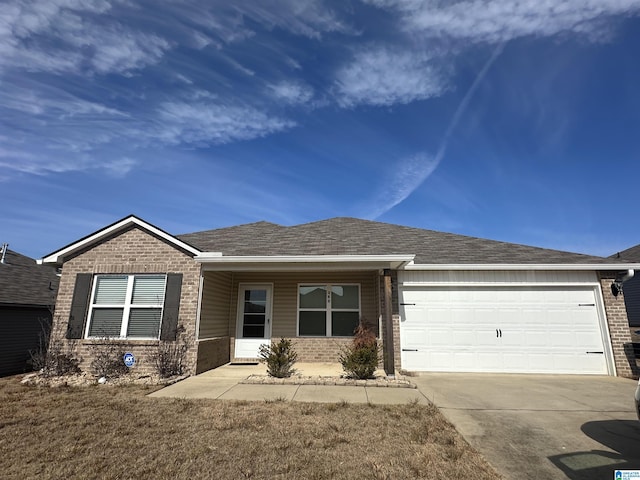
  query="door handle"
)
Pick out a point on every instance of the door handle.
point(498, 333)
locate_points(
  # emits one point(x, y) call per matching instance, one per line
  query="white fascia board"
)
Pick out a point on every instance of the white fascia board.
point(214, 260)
point(56, 257)
point(526, 266)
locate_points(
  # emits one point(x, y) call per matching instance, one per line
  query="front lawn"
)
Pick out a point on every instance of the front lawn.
point(119, 433)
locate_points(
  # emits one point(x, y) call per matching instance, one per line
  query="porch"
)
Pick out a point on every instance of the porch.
point(317, 309)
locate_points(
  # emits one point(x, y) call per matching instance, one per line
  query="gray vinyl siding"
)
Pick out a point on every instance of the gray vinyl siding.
point(285, 295)
point(632, 300)
point(215, 307)
point(20, 331)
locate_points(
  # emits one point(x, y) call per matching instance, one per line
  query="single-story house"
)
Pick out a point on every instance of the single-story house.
point(27, 297)
point(438, 301)
point(632, 286)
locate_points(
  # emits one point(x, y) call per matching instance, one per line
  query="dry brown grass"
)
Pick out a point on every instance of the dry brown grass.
point(119, 433)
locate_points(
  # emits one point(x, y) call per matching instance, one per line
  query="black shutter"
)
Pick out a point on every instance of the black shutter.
point(75, 327)
point(169, 327)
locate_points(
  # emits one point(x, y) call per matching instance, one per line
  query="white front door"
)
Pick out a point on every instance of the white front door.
point(254, 319)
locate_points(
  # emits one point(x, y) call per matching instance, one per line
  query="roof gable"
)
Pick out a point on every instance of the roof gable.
point(59, 256)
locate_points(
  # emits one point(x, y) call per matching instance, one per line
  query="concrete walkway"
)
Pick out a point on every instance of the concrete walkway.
point(223, 383)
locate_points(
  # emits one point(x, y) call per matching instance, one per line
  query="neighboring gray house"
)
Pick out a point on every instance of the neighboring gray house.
point(631, 287)
point(438, 301)
point(27, 296)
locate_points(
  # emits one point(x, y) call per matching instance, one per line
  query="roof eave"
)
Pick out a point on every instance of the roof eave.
point(216, 261)
point(525, 266)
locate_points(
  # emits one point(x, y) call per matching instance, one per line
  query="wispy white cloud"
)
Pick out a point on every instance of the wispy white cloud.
point(64, 36)
point(291, 92)
point(413, 171)
point(382, 76)
point(408, 174)
point(504, 20)
point(310, 18)
point(214, 123)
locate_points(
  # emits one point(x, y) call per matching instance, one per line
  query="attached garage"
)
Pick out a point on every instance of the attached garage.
point(519, 322)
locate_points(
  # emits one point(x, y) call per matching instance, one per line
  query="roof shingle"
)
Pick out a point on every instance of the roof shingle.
point(24, 282)
point(352, 236)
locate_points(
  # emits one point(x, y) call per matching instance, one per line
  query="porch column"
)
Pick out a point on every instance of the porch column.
point(388, 350)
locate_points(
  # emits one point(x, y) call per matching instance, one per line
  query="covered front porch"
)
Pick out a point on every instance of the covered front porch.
point(317, 304)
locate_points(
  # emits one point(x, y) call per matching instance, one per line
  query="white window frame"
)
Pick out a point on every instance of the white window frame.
point(328, 307)
point(127, 306)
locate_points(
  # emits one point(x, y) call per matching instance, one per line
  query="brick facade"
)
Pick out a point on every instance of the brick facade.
point(132, 251)
point(618, 327)
point(212, 353)
point(310, 349)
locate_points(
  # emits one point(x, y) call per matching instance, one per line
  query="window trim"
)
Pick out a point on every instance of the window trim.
point(328, 307)
point(126, 307)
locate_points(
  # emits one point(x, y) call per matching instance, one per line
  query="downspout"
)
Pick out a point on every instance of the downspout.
point(627, 276)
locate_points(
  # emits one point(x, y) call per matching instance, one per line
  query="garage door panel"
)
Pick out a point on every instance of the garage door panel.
point(512, 329)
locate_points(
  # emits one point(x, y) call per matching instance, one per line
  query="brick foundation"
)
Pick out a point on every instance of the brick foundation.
point(212, 353)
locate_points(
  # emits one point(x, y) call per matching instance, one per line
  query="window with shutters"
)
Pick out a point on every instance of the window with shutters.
point(126, 306)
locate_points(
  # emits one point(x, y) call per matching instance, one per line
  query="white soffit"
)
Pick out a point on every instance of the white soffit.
point(216, 261)
point(526, 266)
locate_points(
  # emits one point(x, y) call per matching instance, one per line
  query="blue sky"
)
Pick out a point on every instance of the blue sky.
point(515, 121)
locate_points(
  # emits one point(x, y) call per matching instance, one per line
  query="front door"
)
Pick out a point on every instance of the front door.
point(254, 319)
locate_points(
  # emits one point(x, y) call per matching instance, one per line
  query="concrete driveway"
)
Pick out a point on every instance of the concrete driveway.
point(542, 426)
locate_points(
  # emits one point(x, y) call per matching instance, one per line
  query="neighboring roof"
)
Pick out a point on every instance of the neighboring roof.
point(24, 282)
point(630, 254)
point(352, 236)
point(59, 256)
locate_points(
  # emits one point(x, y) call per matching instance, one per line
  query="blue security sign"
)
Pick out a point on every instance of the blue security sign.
point(129, 359)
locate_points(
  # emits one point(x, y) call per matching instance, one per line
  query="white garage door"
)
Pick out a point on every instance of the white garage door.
point(501, 329)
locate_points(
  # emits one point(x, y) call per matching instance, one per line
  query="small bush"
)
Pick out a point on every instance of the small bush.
point(170, 357)
point(54, 356)
point(360, 359)
point(279, 357)
point(108, 358)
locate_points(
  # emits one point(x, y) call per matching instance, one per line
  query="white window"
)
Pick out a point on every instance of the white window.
point(126, 306)
point(328, 310)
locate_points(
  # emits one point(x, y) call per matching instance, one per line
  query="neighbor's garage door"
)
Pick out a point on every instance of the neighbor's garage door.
point(501, 329)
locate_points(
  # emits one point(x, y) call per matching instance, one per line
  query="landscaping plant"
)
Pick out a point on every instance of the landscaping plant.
point(108, 356)
point(360, 359)
point(279, 357)
point(170, 357)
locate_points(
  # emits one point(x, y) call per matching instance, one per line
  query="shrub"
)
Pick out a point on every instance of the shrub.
point(360, 359)
point(53, 356)
point(108, 358)
point(59, 362)
point(169, 358)
point(279, 357)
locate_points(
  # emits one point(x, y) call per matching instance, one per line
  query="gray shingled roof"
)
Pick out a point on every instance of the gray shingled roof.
point(23, 282)
point(352, 236)
point(630, 254)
